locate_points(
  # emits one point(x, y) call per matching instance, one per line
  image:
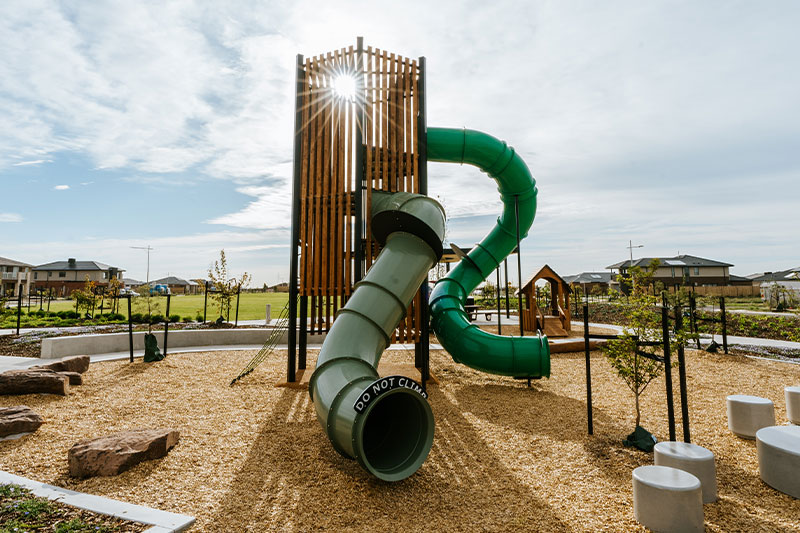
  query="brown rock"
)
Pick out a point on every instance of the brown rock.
point(18, 419)
point(76, 363)
point(33, 381)
point(113, 454)
point(74, 377)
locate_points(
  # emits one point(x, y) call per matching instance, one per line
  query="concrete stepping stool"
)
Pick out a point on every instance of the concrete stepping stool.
point(793, 404)
point(693, 459)
point(666, 499)
point(748, 414)
point(779, 458)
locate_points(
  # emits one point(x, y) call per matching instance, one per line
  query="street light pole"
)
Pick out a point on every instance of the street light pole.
point(148, 248)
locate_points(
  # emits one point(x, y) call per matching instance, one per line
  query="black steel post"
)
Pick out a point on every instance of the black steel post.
point(29, 299)
point(49, 297)
point(19, 307)
point(303, 332)
point(130, 326)
point(238, 293)
point(499, 325)
point(693, 318)
point(422, 141)
point(294, 245)
point(682, 376)
point(668, 372)
point(166, 325)
point(589, 420)
point(724, 320)
point(519, 262)
point(508, 303)
point(359, 163)
point(205, 303)
point(424, 333)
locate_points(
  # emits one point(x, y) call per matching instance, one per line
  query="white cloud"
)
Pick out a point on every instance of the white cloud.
point(10, 217)
point(34, 162)
point(61, 187)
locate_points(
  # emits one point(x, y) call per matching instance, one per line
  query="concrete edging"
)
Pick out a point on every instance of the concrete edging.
point(102, 343)
point(162, 521)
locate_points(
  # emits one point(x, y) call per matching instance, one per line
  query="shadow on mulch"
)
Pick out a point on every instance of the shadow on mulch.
point(293, 479)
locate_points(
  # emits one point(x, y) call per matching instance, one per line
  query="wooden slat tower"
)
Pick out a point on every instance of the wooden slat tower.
point(345, 147)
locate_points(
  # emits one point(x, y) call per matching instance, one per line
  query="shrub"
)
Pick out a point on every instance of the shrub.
point(174, 318)
point(186, 319)
point(155, 319)
point(198, 318)
point(137, 317)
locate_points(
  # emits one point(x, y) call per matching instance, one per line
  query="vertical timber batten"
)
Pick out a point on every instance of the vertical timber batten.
point(359, 166)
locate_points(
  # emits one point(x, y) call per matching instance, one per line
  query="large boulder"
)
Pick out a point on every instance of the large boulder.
point(76, 363)
point(18, 419)
point(113, 454)
point(33, 382)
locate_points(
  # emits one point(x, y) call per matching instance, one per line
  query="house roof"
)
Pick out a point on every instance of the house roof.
point(734, 277)
point(783, 275)
point(79, 266)
point(4, 261)
point(678, 260)
point(589, 277)
point(172, 280)
point(131, 281)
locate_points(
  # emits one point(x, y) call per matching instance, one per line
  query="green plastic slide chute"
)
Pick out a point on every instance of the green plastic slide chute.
point(385, 424)
point(466, 343)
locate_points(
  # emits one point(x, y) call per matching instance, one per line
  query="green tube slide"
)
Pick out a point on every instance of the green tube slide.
point(466, 343)
point(385, 423)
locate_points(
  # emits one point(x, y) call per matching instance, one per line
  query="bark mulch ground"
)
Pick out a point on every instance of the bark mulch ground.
point(505, 457)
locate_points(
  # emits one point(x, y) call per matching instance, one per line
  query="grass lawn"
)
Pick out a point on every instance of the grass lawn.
point(252, 305)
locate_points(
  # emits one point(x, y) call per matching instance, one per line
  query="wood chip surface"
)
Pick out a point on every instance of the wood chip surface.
point(505, 457)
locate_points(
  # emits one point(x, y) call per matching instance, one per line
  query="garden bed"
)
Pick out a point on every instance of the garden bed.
point(505, 457)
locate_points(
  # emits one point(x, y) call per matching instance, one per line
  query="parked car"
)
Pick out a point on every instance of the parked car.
point(128, 292)
point(159, 289)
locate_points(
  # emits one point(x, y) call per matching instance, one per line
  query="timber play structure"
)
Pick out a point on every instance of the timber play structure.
point(364, 236)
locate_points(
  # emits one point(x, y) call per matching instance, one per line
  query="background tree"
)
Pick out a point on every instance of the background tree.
point(225, 288)
point(85, 297)
point(644, 324)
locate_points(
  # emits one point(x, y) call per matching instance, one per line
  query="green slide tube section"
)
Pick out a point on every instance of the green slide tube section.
point(466, 343)
point(385, 424)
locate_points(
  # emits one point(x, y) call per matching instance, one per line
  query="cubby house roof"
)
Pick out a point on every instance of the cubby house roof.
point(546, 273)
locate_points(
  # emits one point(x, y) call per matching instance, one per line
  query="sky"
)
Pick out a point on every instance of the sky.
point(672, 125)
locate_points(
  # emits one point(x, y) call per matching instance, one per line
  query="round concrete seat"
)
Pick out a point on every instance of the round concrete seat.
point(748, 414)
point(779, 458)
point(667, 499)
point(693, 459)
point(793, 404)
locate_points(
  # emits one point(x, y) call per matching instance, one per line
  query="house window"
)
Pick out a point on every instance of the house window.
point(685, 272)
point(62, 274)
point(105, 275)
point(673, 271)
point(35, 275)
point(696, 271)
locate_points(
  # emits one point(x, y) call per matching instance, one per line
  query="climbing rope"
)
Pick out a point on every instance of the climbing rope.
point(281, 327)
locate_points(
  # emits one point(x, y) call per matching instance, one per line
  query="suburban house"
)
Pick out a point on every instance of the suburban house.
point(67, 276)
point(680, 270)
point(15, 276)
point(787, 282)
point(177, 285)
point(590, 282)
point(130, 283)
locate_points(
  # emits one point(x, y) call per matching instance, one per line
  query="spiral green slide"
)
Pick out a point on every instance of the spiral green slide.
point(386, 424)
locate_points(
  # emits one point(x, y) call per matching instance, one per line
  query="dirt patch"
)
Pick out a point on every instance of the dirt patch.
point(505, 457)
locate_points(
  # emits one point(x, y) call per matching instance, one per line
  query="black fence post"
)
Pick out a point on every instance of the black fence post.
point(499, 312)
point(508, 301)
point(682, 375)
point(130, 326)
point(668, 371)
point(19, 307)
point(724, 320)
point(205, 303)
point(302, 339)
point(519, 263)
point(166, 325)
point(589, 420)
point(238, 292)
